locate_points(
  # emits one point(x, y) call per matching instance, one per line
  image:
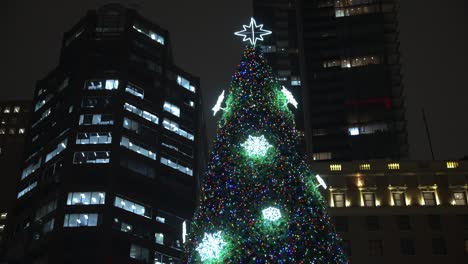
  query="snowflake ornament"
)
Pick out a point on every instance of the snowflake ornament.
point(256, 146)
point(211, 246)
point(271, 214)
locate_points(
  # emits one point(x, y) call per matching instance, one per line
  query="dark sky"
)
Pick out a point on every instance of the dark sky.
point(433, 35)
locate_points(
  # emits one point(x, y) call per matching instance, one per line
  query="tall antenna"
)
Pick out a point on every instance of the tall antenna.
point(428, 133)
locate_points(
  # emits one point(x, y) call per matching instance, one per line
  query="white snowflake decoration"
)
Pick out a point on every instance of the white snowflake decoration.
point(321, 181)
point(289, 96)
point(252, 32)
point(271, 214)
point(256, 146)
point(211, 246)
point(217, 106)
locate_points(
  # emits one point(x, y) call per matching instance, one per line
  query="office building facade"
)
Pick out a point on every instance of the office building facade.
point(14, 116)
point(399, 212)
point(342, 58)
point(113, 153)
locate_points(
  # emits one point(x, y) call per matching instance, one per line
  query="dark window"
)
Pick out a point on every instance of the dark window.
point(341, 223)
point(464, 221)
point(403, 222)
point(407, 247)
point(373, 223)
point(346, 245)
point(375, 248)
point(466, 246)
point(438, 246)
point(434, 222)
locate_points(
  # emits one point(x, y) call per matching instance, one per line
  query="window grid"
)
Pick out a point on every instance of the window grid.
point(80, 220)
point(86, 198)
point(91, 157)
point(127, 143)
point(174, 127)
point(142, 113)
point(85, 138)
point(177, 166)
point(132, 207)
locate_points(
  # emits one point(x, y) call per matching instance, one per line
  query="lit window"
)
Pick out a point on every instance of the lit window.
point(459, 198)
point(335, 167)
point(16, 109)
point(44, 114)
point(152, 35)
point(2, 131)
point(2, 227)
point(21, 131)
point(91, 157)
point(7, 110)
point(159, 238)
point(399, 198)
point(58, 149)
point(11, 131)
point(136, 147)
point(353, 131)
point(86, 198)
point(174, 127)
point(124, 227)
point(142, 113)
point(80, 220)
point(339, 200)
point(365, 166)
point(393, 166)
point(185, 83)
point(3, 216)
point(27, 189)
point(132, 207)
point(93, 138)
point(295, 81)
point(135, 90)
point(268, 49)
point(96, 119)
point(139, 253)
point(42, 102)
point(369, 199)
point(177, 166)
point(322, 156)
point(429, 198)
point(31, 168)
point(173, 109)
point(452, 164)
point(102, 84)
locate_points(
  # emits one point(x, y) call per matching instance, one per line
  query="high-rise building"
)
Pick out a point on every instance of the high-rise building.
point(399, 211)
point(113, 153)
point(342, 58)
point(14, 116)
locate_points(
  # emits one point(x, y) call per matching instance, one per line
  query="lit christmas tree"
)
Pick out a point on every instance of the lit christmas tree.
point(260, 201)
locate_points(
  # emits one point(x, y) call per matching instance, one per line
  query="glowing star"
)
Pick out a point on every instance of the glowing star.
point(250, 32)
point(271, 214)
point(217, 106)
point(321, 182)
point(289, 96)
point(256, 146)
point(211, 246)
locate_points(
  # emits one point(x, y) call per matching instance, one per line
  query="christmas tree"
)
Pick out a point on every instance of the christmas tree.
point(260, 201)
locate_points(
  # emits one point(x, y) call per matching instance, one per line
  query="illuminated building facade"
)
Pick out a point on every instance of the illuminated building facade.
point(14, 116)
point(399, 212)
point(113, 153)
point(342, 58)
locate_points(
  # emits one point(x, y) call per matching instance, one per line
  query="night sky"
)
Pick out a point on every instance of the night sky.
point(433, 36)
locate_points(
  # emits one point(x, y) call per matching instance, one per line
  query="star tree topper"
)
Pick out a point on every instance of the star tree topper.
point(250, 32)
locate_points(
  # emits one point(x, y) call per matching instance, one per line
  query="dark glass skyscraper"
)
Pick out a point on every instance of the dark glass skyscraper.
point(342, 58)
point(114, 149)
